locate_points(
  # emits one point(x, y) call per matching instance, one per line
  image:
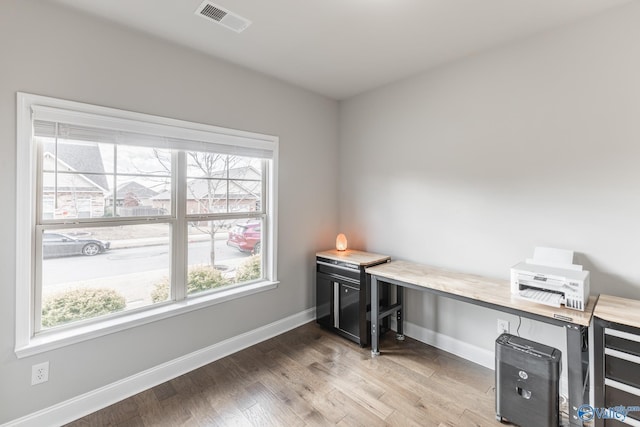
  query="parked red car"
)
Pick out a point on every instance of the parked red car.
point(246, 237)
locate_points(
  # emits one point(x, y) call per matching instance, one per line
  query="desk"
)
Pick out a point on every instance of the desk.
point(494, 294)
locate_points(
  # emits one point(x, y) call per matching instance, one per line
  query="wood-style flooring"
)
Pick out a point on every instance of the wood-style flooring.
point(309, 376)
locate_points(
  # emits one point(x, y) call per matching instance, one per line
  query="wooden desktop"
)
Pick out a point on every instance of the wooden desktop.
point(494, 294)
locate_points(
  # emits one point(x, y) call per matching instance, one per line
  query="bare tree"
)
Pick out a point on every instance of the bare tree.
point(227, 189)
point(209, 164)
point(209, 188)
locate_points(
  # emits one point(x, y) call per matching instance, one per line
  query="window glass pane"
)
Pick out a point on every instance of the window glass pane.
point(80, 188)
point(206, 165)
point(72, 196)
point(48, 207)
point(206, 196)
point(223, 253)
point(245, 167)
point(213, 165)
point(234, 183)
point(96, 271)
point(76, 156)
point(143, 161)
point(139, 196)
point(245, 196)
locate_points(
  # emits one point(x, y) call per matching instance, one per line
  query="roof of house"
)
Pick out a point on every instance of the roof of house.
point(135, 188)
point(81, 158)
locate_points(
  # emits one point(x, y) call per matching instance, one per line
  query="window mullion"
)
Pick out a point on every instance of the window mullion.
point(179, 242)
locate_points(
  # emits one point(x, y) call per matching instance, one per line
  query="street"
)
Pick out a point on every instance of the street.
point(118, 262)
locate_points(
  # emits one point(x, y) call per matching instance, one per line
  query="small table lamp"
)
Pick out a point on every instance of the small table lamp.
point(341, 242)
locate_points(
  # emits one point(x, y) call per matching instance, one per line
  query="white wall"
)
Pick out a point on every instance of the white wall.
point(472, 165)
point(52, 51)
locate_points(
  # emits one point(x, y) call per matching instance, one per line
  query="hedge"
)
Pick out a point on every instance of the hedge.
point(199, 279)
point(251, 269)
point(205, 278)
point(79, 304)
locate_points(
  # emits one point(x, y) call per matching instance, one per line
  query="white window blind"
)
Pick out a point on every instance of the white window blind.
point(56, 122)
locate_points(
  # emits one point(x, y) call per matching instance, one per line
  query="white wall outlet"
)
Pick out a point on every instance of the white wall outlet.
point(503, 326)
point(40, 373)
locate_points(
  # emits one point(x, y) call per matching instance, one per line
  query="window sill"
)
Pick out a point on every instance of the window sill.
point(58, 339)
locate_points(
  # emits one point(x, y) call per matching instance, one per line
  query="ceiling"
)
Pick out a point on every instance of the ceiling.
point(340, 48)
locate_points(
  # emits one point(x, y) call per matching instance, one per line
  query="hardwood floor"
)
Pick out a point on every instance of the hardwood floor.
point(309, 376)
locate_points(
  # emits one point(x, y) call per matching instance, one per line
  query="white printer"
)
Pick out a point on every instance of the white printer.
point(551, 278)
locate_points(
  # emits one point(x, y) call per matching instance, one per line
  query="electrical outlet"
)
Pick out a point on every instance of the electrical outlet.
point(40, 373)
point(503, 326)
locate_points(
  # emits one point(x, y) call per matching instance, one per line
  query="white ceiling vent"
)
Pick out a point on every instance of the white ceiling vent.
point(222, 16)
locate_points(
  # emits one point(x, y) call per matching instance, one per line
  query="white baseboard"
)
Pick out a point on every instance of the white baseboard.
point(451, 345)
point(95, 400)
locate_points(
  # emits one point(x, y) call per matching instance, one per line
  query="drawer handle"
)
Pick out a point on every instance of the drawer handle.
point(620, 386)
point(622, 355)
point(339, 267)
point(622, 334)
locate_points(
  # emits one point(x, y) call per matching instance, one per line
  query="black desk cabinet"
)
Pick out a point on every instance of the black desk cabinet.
point(616, 360)
point(343, 292)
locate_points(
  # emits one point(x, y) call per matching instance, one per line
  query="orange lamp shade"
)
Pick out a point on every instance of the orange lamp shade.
point(341, 242)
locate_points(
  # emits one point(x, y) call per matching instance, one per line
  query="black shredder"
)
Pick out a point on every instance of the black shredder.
point(527, 382)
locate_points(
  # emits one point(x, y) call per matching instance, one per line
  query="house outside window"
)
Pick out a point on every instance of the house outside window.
point(132, 217)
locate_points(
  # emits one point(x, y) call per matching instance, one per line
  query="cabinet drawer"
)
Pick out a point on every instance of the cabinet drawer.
point(338, 271)
point(615, 397)
point(621, 370)
point(622, 344)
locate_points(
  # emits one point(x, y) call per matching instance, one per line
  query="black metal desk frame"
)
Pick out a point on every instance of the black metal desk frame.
point(577, 336)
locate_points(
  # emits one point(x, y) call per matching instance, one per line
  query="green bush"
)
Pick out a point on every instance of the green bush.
point(199, 279)
point(79, 304)
point(205, 278)
point(250, 269)
point(160, 291)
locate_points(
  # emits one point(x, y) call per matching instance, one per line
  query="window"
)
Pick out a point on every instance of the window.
point(125, 217)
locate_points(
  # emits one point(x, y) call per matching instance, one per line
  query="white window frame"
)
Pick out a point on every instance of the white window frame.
point(27, 342)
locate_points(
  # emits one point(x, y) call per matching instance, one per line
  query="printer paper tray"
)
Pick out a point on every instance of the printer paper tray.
point(554, 301)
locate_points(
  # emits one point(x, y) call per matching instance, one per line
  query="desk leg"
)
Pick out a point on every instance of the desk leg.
point(577, 369)
point(400, 313)
point(375, 310)
point(598, 365)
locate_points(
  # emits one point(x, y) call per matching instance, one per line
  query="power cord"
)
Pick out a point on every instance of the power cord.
point(519, 323)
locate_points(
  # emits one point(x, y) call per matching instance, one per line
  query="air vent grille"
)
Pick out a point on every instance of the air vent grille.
point(213, 12)
point(222, 16)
